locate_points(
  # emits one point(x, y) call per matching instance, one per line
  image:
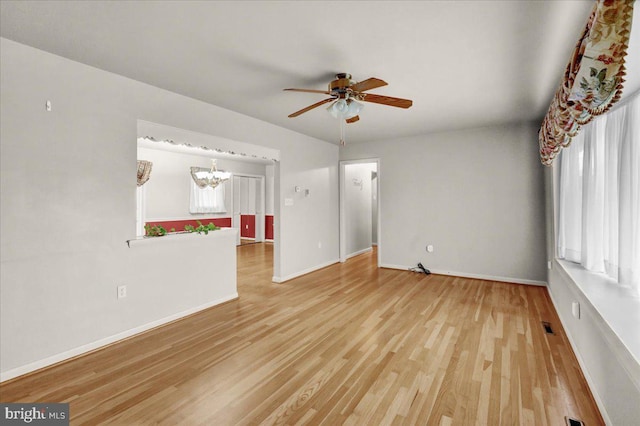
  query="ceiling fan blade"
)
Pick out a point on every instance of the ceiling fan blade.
point(310, 107)
point(368, 84)
point(353, 119)
point(309, 91)
point(386, 100)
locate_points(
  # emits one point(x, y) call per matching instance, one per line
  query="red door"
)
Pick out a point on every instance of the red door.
point(268, 227)
point(248, 226)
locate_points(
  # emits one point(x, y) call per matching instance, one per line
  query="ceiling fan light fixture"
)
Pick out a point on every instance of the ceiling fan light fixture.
point(344, 91)
point(338, 109)
point(353, 109)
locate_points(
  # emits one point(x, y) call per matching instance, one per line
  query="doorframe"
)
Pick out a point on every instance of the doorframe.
point(260, 215)
point(343, 213)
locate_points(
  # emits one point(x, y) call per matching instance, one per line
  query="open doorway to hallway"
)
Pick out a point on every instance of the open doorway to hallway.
point(249, 208)
point(359, 208)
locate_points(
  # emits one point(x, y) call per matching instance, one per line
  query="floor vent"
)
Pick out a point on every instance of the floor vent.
point(548, 329)
point(573, 422)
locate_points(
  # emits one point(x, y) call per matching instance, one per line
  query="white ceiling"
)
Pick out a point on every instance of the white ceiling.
point(463, 63)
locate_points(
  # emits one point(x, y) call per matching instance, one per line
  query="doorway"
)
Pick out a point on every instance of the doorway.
point(359, 208)
point(249, 208)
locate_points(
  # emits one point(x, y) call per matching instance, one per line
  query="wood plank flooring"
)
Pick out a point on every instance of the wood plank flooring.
point(350, 344)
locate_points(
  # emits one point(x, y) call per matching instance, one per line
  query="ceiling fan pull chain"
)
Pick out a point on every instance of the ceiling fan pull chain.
point(342, 131)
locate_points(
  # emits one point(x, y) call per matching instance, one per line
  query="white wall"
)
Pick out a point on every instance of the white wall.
point(167, 192)
point(68, 200)
point(476, 195)
point(358, 208)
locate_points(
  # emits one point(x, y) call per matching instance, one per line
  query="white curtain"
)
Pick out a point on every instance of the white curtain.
point(627, 123)
point(599, 196)
point(207, 200)
point(570, 200)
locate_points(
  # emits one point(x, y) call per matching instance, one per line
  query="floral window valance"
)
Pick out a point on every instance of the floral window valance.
point(594, 77)
point(144, 171)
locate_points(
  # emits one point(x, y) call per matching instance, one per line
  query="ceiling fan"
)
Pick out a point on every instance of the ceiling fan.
point(345, 94)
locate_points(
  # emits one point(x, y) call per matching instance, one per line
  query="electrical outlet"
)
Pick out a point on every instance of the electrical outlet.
point(319, 244)
point(575, 309)
point(122, 291)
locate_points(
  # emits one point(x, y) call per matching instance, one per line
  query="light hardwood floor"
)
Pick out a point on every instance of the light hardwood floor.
point(349, 344)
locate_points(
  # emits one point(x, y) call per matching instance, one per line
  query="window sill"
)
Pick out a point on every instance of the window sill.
point(617, 307)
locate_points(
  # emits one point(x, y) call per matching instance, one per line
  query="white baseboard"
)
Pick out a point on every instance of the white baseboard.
point(359, 252)
point(37, 365)
point(392, 266)
point(303, 272)
point(469, 275)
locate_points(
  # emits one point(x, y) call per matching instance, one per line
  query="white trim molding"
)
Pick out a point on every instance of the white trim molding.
point(357, 253)
point(470, 275)
point(276, 279)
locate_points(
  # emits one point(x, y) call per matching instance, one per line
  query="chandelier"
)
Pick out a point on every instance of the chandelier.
point(209, 177)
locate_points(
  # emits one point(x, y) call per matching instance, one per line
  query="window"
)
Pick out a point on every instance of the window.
point(599, 196)
point(207, 200)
